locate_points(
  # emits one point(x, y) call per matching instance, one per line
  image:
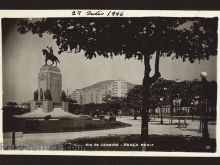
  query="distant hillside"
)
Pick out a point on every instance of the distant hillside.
point(130, 85)
point(104, 84)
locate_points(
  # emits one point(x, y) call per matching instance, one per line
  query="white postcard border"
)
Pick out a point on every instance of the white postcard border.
point(126, 13)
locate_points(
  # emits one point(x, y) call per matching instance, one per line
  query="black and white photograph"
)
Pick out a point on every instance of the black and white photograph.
point(143, 84)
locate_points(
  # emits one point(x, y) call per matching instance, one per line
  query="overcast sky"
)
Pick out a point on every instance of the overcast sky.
point(22, 59)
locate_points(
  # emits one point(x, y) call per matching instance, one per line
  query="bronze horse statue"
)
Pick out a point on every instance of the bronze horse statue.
point(50, 56)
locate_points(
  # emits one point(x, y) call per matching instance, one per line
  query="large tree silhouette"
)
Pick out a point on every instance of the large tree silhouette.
point(140, 38)
point(134, 99)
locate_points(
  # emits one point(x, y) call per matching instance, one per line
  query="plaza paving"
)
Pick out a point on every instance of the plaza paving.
point(50, 139)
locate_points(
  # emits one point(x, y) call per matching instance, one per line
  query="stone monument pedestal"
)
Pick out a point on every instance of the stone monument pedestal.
point(65, 106)
point(50, 78)
point(49, 81)
point(33, 106)
point(47, 106)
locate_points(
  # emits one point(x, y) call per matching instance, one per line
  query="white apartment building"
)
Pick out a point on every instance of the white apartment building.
point(119, 88)
point(73, 95)
point(88, 96)
point(76, 95)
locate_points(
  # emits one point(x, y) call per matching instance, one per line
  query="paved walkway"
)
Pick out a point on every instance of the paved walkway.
point(50, 139)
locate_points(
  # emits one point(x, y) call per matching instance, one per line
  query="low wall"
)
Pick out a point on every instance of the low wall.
point(47, 126)
point(50, 126)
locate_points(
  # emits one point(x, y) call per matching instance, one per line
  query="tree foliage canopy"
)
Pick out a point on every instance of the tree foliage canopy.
point(186, 38)
point(134, 98)
point(170, 90)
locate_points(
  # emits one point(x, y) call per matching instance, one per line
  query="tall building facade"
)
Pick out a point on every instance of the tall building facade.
point(73, 95)
point(119, 88)
point(116, 88)
point(89, 96)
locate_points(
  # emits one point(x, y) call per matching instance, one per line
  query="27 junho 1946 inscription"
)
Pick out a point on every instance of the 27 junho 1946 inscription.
point(98, 13)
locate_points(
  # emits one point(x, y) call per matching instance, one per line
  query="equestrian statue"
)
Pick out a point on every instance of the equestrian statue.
point(50, 56)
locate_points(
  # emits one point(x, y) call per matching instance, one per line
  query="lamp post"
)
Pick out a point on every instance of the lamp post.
point(161, 113)
point(192, 110)
point(204, 107)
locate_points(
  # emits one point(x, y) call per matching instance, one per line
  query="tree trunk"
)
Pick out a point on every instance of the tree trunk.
point(161, 115)
point(205, 130)
point(171, 110)
point(147, 81)
point(13, 133)
point(145, 105)
point(135, 114)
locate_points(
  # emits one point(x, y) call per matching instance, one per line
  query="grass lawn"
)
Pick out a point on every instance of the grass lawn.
point(132, 143)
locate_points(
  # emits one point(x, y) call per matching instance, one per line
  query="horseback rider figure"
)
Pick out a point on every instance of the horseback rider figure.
point(50, 56)
point(51, 50)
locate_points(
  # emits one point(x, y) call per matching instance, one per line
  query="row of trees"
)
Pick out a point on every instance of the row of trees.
point(169, 90)
point(186, 90)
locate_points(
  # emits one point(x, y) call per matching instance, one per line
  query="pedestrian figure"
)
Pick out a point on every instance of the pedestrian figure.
point(120, 113)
